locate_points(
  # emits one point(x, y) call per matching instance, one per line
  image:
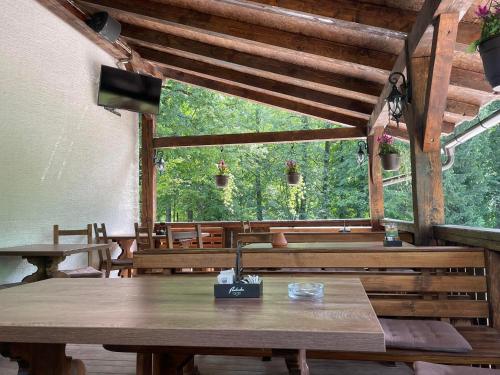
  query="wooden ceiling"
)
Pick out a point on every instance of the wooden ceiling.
point(328, 59)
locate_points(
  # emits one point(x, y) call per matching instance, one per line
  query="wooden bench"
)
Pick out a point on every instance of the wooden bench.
point(447, 283)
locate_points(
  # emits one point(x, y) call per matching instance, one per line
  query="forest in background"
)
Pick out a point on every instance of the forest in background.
point(333, 184)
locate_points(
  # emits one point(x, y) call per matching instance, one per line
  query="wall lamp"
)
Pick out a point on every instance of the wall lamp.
point(159, 162)
point(362, 147)
point(397, 99)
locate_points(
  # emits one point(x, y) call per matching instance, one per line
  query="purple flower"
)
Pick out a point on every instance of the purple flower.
point(483, 11)
point(385, 139)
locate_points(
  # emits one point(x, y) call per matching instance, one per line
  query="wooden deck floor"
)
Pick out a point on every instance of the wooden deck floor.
point(101, 362)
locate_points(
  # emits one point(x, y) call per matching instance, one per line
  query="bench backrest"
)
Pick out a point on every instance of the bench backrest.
point(432, 282)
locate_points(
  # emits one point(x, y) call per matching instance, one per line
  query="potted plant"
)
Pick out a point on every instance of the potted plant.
point(222, 177)
point(489, 42)
point(292, 172)
point(388, 153)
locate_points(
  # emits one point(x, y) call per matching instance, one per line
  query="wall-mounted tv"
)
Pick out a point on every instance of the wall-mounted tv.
point(127, 90)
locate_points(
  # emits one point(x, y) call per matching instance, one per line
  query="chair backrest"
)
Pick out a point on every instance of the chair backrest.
point(101, 236)
point(245, 227)
point(72, 232)
point(144, 241)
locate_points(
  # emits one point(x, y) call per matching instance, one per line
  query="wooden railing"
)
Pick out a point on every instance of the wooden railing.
point(489, 239)
point(229, 229)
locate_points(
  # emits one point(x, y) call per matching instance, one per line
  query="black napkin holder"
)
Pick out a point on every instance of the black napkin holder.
point(393, 243)
point(238, 290)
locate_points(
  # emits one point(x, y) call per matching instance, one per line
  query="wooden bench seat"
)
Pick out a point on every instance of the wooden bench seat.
point(485, 342)
point(445, 283)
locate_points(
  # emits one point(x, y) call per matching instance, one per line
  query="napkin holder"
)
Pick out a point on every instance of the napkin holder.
point(393, 243)
point(238, 289)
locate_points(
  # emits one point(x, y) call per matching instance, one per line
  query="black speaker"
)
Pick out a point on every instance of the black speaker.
point(105, 25)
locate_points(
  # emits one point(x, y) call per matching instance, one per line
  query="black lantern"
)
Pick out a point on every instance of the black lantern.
point(159, 162)
point(362, 146)
point(397, 99)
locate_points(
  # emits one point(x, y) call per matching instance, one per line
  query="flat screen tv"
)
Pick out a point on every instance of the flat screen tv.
point(127, 90)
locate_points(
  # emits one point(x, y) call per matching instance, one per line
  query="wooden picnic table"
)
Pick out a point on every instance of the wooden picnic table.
point(37, 320)
point(47, 257)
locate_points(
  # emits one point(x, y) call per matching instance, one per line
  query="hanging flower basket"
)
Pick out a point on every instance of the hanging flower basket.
point(221, 181)
point(490, 54)
point(391, 162)
point(292, 172)
point(222, 177)
point(389, 154)
point(489, 42)
point(293, 178)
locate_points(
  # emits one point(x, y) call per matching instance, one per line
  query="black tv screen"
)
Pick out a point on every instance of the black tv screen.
point(127, 90)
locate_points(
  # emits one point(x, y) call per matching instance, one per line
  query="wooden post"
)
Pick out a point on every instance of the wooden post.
point(493, 277)
point(375, 187)
point(430, 76)
point(148, 185)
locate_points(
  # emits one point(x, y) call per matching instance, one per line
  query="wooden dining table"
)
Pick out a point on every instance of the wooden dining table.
point(47, 257)
point(37, 320)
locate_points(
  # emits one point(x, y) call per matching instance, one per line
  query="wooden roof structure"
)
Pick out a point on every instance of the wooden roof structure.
point(327, 59)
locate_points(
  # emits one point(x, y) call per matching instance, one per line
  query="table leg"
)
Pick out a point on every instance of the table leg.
point(46, 268)
point(170, 363)
point(125, 246)
point(144, 365)
point(295, 361)
point(42, 359)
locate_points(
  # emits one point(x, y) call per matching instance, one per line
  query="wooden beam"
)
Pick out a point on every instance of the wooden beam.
point(428, 200)
point(418, 45)
point(445, 33)
point(148, 181)
point(181, 21)
point(262, 97)
point(207, 29)
point(259, 138)
point(230, 73)
point(393, 15)
point(375, 186)
point(322, 80)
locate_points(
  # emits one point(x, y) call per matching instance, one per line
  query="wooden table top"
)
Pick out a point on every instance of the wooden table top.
point(50, 250)
point(181, 311)
point(342, 245)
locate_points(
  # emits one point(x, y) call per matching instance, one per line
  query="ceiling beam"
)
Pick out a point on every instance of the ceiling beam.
point(334, 83)
point(335, 134)
point(418, 45)
point(262, 97)
point(279, 85)
point(231, 74)
point(340, 58)
point(394, 15)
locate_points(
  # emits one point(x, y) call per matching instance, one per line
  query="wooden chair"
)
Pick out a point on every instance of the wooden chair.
point(84, 272)
point(108, 263)
point(246, 227)
point(144, 242)
point(171, 237)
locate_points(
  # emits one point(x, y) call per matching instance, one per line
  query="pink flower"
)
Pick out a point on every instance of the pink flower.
point(483, 11)
point(385, 139)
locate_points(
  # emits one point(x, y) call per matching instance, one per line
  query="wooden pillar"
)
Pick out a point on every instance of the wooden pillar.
point(148, 183)
point(430, 76)
point(375, 186)
point(493, 277)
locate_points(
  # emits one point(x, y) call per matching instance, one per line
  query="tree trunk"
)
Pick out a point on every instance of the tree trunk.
point(325, 201)
point(189, 215)
point(258, 196)
point(168, 214)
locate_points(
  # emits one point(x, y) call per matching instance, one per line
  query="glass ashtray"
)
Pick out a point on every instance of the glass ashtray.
point(305, 290)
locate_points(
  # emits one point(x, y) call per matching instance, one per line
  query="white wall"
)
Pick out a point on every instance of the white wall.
point(63, 159)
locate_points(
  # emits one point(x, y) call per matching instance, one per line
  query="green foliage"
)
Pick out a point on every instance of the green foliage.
point(332, 184)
